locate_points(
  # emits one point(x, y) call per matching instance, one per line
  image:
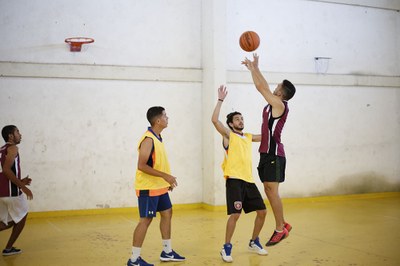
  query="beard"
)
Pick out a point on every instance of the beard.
point(238, 128)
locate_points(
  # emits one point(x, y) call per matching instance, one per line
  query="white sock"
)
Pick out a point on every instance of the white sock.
point(167, 245)
point(135, 253)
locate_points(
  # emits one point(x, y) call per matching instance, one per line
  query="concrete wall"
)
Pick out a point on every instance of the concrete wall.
point(81, 114)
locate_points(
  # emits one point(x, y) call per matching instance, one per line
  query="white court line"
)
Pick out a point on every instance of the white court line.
point(54, 226)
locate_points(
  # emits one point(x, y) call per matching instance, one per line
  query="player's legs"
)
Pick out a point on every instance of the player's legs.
point(165, 209)
point(165, 223)
point(164, 206)
point(234, 205)
point(13, 213)
point(5, 227)
point(253, 201)
point(147, 209)
point(271, 170)
point(272, 191)
point(235, 190)
point(140, 231)
point(230, 226)
point(16, 231)
point(258, 223)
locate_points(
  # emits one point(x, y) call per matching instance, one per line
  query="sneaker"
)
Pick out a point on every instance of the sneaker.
point(11, 251)
point(138, 262)
point(255, 246)
point(287, 226)
point(277, 237)
point(172, 256)
point(226, 253)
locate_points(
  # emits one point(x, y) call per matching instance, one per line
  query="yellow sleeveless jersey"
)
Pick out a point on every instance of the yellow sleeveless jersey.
point(237, 160)
point(159, 161)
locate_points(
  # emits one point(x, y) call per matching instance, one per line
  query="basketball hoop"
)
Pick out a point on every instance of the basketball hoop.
point(321, 64)
point(76, 43)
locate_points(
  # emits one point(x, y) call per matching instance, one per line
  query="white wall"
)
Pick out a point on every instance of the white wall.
point(81, 114)
point(139, 33)
point(79, 138)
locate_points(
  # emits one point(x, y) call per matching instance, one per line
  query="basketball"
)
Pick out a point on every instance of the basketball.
point(249, 41)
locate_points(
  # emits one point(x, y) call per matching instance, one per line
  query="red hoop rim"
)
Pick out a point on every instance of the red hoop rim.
point(77, 42)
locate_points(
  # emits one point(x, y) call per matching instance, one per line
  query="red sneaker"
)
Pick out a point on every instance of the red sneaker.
point(287, 226)
point(277, 237)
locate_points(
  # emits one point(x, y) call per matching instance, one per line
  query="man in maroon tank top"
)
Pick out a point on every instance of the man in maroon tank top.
point(13, 190)
point(271, 168)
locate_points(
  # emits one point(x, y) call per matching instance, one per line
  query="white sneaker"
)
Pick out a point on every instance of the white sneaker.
point(255, 246)
point(226, 253)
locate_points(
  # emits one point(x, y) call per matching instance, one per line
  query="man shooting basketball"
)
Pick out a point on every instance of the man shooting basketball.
point(271, 168)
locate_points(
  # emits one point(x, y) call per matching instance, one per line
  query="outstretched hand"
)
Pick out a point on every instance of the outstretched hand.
point(251, 65)
point(222, 92)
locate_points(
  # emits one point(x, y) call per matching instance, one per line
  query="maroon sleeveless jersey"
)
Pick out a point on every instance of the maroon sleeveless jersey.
point(8, 188)
point(271, 130)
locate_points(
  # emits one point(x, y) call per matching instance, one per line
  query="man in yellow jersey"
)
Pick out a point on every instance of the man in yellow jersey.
point(241, 191)
point(153, 180)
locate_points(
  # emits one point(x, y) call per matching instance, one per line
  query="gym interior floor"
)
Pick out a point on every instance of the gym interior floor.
point(359, 229)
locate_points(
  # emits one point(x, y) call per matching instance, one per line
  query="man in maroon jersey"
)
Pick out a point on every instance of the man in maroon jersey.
point(13, 203)
point(271, 167)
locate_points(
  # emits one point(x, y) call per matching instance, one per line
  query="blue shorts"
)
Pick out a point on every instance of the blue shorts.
point(149, 206)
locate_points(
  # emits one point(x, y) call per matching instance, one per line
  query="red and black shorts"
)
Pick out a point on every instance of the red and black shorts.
point(242, 195)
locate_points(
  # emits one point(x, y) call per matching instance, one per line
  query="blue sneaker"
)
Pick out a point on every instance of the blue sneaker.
point(172, 256)
point(226, 253)
point(138, 262)
point(255, 246)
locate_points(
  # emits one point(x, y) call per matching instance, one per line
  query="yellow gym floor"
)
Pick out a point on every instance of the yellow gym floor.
point(345, 230)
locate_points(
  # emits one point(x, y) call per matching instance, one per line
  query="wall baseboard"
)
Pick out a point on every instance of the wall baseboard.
point(204, 206)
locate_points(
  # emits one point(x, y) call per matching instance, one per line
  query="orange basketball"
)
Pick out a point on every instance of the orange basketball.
point(249, 41)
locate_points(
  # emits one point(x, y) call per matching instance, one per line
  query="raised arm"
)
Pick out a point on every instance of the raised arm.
point(262, 85)
point(219, 126)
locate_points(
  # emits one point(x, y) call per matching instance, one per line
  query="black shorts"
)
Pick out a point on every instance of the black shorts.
point(242, 195)
point(271, 168)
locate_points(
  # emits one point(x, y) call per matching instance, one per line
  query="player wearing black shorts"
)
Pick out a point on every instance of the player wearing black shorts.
point(271, 168)
point(241, 191)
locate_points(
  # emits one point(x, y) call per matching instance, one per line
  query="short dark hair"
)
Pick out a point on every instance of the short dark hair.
point(288, 90)
point(153, 113)
point(7, 130)
point(229, 118)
